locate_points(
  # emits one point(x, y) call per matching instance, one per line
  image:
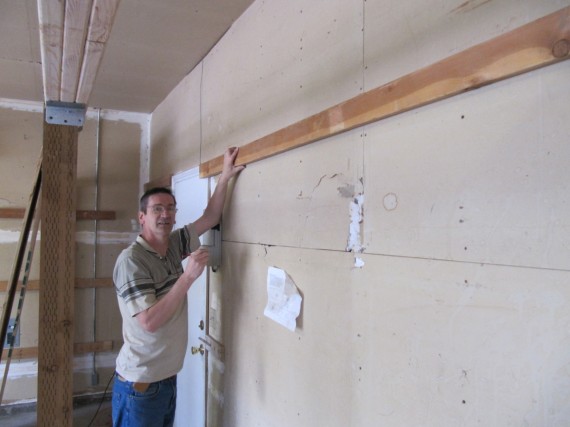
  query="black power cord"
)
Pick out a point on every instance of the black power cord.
point(102, 400)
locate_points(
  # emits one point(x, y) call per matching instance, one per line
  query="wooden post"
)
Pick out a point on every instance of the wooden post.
point(57, 275)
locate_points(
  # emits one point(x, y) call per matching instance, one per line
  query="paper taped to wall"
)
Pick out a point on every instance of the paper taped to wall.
point(283, 298)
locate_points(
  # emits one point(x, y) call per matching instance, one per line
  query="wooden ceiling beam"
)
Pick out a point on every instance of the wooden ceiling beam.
point(73, 34)
point(77, 14)
point(51, 16)
point(102, 17)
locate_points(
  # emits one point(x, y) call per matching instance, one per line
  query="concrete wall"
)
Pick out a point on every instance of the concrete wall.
point(97, 314)
point(456, 311)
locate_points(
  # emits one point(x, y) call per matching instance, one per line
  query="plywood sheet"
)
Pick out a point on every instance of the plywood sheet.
point(532, 46)
point(175, 130)
point(408, 341)
point(400, 38)
point(289, 62)
point(16, 78)
point(20, 63)
point(149, 47)
point(303, 376)
point(120, 173)
point(301, 198)
point(21, 145)
point(481, 177)
point(445, 343)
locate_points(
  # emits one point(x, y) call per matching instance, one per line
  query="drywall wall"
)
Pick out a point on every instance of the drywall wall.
point(175, 130)
point(118, 173)
point(430, 248)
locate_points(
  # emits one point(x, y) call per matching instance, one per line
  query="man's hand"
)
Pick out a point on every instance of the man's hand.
point(230, 169)
point(160, 313)
point(197, 261)
point(213, 212)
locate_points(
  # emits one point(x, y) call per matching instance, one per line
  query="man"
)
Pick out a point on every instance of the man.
point(151, 289)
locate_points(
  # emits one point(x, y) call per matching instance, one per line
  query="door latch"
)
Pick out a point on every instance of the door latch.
point(200, 349)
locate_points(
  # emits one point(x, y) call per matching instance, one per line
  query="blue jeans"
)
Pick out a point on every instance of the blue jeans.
point(152, 408)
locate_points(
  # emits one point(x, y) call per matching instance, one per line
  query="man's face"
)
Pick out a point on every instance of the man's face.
point(159, 218)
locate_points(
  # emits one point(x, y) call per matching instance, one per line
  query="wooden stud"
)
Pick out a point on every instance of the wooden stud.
point(51, 16)
point(75, 28)
point(102, 17)
point(78, 348)
point(100, 24)
point(537, 44)
point(12, 213)
point(93, 56)
point(16, 213)
point(80, 283)
point(94, 215)
point(83, 283)
point(57, 275)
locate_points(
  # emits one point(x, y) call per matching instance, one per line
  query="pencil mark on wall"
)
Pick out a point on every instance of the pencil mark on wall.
point(266, 247)
point(333, 176)
point(469, 6)
point(467, 284)
point(301, 195)
point(319, 183)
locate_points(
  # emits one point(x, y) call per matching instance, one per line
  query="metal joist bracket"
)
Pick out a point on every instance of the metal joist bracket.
point(65, 113)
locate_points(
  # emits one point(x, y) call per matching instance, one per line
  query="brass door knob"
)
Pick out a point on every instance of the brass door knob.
point(195, 350)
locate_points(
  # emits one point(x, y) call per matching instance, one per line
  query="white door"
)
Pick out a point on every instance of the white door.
point(191, 194)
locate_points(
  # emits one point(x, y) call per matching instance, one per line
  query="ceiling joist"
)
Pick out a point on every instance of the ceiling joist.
point(73, 34)
point(76, 21)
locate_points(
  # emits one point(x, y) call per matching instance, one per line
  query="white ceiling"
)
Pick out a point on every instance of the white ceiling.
point(153, 44)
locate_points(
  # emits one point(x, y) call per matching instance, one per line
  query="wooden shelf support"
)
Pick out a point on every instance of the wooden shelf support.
point(18, 213)
point(537, 44)
point(80, 283)
point(78, 348)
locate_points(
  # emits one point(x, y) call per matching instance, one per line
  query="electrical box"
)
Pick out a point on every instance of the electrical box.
point(212, 239)
point(12, 335)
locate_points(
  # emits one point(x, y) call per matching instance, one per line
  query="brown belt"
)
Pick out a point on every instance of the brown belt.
point(140, 387)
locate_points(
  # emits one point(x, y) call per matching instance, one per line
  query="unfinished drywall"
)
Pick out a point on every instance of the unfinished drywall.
point(452, 308)
point(110, 183)
point(175, 130)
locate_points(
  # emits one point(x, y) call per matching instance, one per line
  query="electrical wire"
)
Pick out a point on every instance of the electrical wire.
point(102, 400)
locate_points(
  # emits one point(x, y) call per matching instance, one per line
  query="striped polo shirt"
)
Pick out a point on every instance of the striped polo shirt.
point(141, 278)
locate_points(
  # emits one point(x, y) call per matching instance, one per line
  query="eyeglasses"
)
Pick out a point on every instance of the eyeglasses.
point(159, 209)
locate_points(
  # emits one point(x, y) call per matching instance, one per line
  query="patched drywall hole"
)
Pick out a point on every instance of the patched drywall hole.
point(390, 201)
point(358, 262)
point(356, 216)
